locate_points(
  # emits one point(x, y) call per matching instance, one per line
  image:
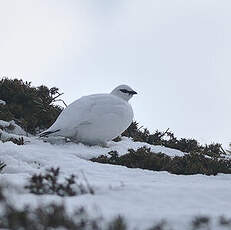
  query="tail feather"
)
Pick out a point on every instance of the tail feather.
point(47, 133)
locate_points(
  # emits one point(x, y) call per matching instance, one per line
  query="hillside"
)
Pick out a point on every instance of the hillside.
point(142, 197)
point(141, 181)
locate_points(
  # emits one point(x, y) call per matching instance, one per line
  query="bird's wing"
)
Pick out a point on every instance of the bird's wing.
point(87, 109)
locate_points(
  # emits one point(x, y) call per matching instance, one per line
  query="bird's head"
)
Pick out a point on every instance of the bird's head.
point(123, 91)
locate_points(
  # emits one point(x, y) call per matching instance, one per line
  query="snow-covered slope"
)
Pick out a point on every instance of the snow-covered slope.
point(143, 197)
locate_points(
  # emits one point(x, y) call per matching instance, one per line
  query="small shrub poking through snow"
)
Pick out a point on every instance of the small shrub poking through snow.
point(168, 139)
point(48, 184)
point(51, 216)
point(17, 141)
point(201, 222)
point(55, 216)
point(47, 216)
point(188, 164)
point(117, 224)
point(225, 221)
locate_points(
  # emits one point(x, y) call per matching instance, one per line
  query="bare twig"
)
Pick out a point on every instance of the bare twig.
point(59, 94)
point(61, 101)
point(223, 150)
point(164, 132)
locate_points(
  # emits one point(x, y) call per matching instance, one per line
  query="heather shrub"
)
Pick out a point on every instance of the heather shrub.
point(169, 140)
point(192, 163)
point(48, 183)
point(31, 107)
point(55, 216)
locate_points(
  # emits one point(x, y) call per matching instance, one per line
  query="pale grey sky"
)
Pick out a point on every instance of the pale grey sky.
point(175, 53)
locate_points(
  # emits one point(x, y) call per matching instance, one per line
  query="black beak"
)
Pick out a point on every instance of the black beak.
point(132, 92)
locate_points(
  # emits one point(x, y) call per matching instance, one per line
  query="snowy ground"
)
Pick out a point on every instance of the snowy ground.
point(143, 197)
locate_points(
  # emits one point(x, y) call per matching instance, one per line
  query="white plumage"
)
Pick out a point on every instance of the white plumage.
point(95, 119)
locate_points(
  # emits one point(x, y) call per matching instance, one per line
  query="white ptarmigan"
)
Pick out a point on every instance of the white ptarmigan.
point(95, 119)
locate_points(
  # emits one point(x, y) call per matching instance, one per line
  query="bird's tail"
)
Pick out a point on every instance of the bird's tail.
point(47, 133)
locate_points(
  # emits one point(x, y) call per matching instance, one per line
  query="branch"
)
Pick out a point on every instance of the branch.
point(164, 133)
point(61, 101)
point(59, 94)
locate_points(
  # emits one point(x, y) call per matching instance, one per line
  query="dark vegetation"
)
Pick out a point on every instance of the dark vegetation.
point(168, 139)
point(192, 163)
point(201, 159)
point(30, 107)
point(49, 184)
point(55, 216)
point(17, 141)
point(50, 216)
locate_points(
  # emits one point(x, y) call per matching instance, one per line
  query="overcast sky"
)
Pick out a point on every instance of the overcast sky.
point(176, 54)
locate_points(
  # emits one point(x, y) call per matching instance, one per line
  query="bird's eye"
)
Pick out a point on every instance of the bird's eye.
point(127, 91)
point(124, 90)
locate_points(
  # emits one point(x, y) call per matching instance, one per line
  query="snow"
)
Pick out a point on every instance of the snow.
point(2, 102)
point(17, 130)
point(143, 197)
